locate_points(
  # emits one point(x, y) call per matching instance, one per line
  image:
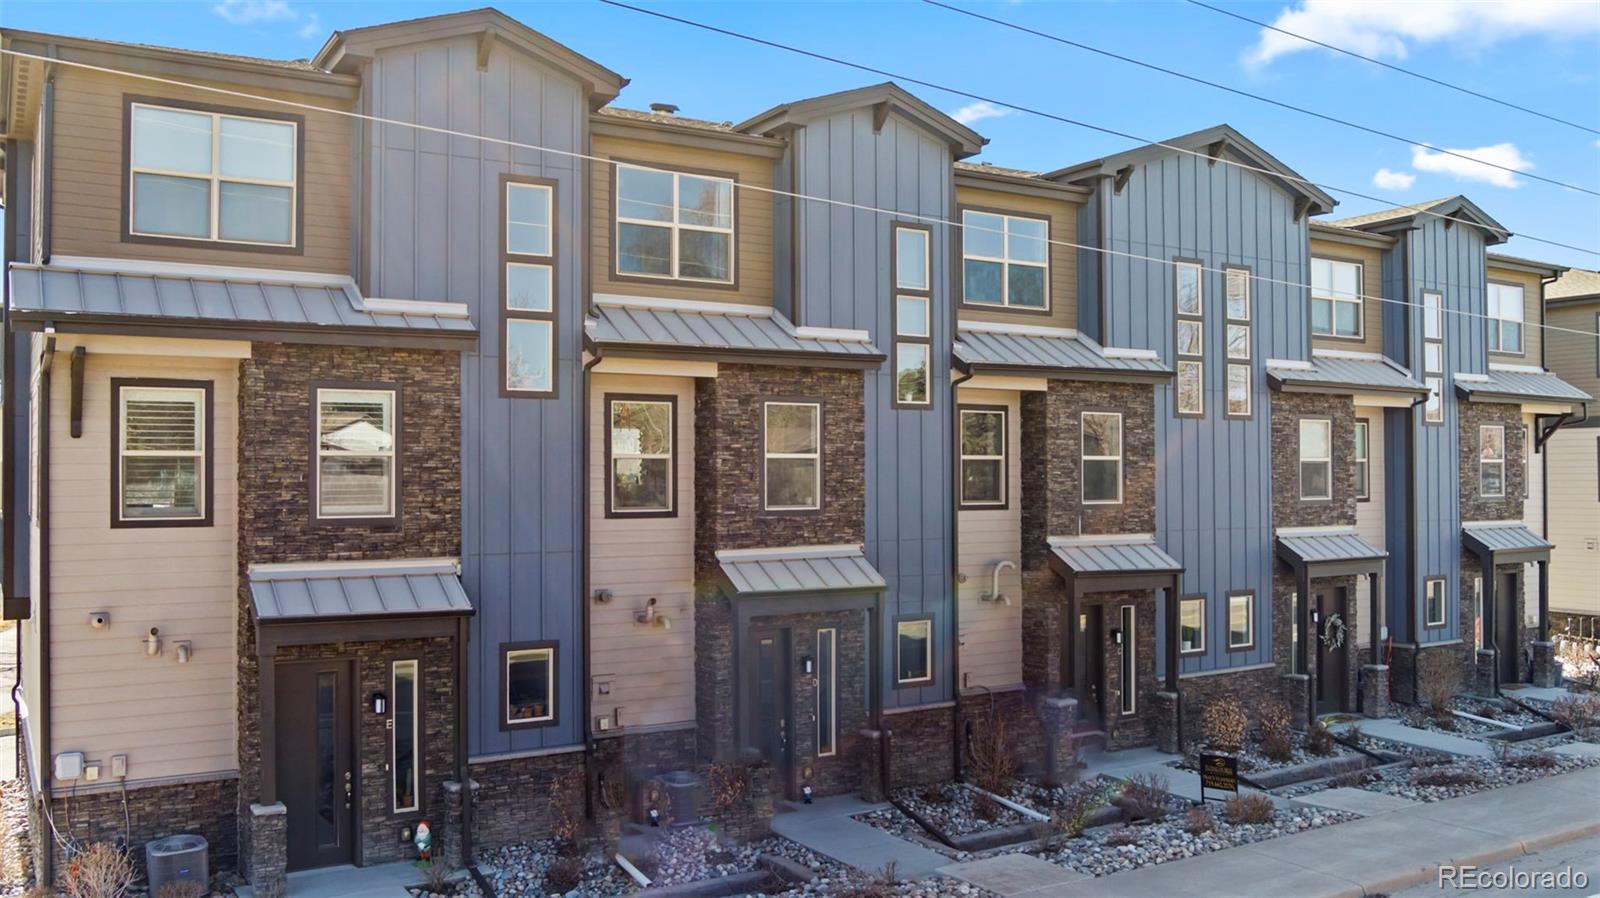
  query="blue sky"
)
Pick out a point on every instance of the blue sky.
point(1541, 53)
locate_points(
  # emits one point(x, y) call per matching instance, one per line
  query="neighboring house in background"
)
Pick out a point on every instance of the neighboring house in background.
point(1572, 455)
point(555, 470)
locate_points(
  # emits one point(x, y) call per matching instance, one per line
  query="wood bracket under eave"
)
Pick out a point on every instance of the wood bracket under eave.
point(78, 354)
point(1301, 207)
point(485, 42)
point(1214, 151)
point(1123, 174)
point(880, 114)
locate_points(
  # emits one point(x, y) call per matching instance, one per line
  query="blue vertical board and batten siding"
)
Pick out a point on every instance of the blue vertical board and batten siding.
point(843, 281)
point(433, 230)
point(1399, 427)
point(1213, 474)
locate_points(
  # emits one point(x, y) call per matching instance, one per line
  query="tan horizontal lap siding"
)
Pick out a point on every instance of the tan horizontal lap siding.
point(1532, 334)
point(1063, 218)
point(107, 696)
point(1572, 356)
point(1370, 514)
point(1574, 460)
point(1371, 260)
point(752, 220)
point(86, 191)
point(650, 670)
point(991, 633)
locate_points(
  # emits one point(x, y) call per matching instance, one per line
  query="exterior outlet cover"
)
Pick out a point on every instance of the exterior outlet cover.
point(91, 773)
point(119, 766)
point(602, 724)
point(69, 765)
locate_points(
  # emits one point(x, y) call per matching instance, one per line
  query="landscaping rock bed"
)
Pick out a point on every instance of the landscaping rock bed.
point(1435, 777)
point(1493, 709)
point(954, 810)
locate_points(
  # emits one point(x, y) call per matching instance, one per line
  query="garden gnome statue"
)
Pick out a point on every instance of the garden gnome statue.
point(423, 841)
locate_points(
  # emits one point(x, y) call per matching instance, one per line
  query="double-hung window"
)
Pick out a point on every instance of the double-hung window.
point(674, 225)
point(1192, 625)
point(528, 286)
point(212, 176)
point(1316, 458)
point(913, 316)
point(163, 438)
point(1363, 460)
point(527, 684)
point(1005, 260)
point(1237, 281)
point(1492, 461)
point(1336, 298)
point(357, 445)
point(1505, 318)
point(1191, 336)
point(1433, 601)
point(1433, 356)
point(1102, 458)
point(792, 456)
point(640, 444)
point(405, 736)
point(1241, 620)
point(983, 457)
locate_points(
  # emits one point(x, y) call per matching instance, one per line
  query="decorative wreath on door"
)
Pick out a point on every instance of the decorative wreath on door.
point(1333, 631)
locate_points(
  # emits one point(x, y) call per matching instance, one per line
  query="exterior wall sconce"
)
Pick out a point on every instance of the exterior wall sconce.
point(380, 703)
point(1116, 636)
point(808, 665)
point(650, 618)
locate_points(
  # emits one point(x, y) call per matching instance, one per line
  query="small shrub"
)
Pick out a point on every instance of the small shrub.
point(1354, 779)
point(1225, 725)
point(985, 808)
point(1489, 712)
point(1446, 776)
point(1122, 835)
point(191, 888)
point(1539, 760)
point(1248, 808)
point(1353, 734)
point(1431, 759)
point(993, 756)
point(889, 873)
point(934, 795)
point(1075, 809)
point(564, 875)
point(1578, 713)
point(1319, 739)
point(1272, 718)
point(1277, 747)
point(729, 783)
point(1145, 797)
point(567, 820)
point(1437, 687)
point(1198, 821)
point(99, 871)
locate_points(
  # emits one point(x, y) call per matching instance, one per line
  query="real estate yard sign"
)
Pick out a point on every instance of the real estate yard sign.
point(1219, 773)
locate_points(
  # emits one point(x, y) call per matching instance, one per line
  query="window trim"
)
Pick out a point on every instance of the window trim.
point(610, 459)
point(296, 247)
point(1429, 623)
point(821, 455)
point(1250, 618)
point(1501, 461)
point(1184, 600)
point(618, 275)
point(895, 292)
point(397, 488)
point(1428, 375)
point(1005, 458)
point(417, 729)
point(507, 314)
point(1005, 264)
point(1496, 323)
point(1246, 362)
point(924, 619)
point(1181, 358)
point(506, 650)
point(1084, 458)
point(1361, 450)
point(1128, 621)
point(208, 454)
point(832, 660)
point(1333, 311)
point(1326, 461)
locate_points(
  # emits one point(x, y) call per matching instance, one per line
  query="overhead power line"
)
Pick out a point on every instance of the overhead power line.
point(738, 185)
point(956, 91)
point(1254, 96)
point(1402, 70)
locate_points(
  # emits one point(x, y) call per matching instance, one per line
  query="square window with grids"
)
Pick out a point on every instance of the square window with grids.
point(674, 225)
point(163, 440)
point(357, 453)
point(1005, 260)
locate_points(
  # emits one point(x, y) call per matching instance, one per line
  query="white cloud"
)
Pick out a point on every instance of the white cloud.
point(312, 26)
point(249, 12)
point(977, 112)
point(1501, 154)
point(1389, 29)
point(1393, 180)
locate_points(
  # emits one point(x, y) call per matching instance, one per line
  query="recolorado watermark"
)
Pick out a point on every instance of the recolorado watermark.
point(1468, 876)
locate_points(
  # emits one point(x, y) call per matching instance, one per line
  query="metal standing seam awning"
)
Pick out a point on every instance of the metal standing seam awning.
point(1505, 542)
point(643, 327)
point(1342, 374)
point(1103, 563)
point(1501, 385)
point(1329, 553)
point(983, 348)
point(794, 570)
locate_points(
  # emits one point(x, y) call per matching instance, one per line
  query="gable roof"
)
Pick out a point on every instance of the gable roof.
point(888, 97)
point(1456, 207)
point(1211, 141)
point(1575, 283)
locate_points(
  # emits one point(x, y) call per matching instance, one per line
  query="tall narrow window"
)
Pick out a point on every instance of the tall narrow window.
point(528, 286)
point(356, 452)
point(405, 760)
point(1433, 601)
point(827, 692)
point(1191, 336)
point(640, 444)
point(1102, 458)
point(1239, 342)
point(913, 652)
point(1477, 612)
point(1316, 458)
point(1130, 659)
point(163, 441)
point(1363, 461)
point(913, 316)
point(1505, 318)
point(1296, 650)
point(983, 457)
point(1241, 620)
point(674, 225)
point(1336, 298)
point(1492, 461)
point(792, 464)
point(1433, 356)
point(1005, 260)
point(528, 684)
point(1192, 625)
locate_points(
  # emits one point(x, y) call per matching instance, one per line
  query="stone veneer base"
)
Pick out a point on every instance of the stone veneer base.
point(202, 807)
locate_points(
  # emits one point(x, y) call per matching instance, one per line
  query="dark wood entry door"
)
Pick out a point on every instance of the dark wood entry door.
point(316, 773)
point(773, 699)
point(1506, 625)
point(1332, 672)
point(1089, 662)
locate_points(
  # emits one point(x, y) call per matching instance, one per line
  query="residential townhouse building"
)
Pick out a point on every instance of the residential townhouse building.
point(1572, 456)
point(513, 465)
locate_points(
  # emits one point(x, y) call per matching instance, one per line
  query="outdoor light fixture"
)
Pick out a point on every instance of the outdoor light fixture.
point(380, 703)
point(650, 618)
point(1116, 636)
point(808, 664)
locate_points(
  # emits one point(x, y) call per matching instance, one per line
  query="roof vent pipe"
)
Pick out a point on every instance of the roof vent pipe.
point(664, 108)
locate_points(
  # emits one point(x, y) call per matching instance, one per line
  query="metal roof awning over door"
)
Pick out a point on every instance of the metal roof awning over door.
point(1505, 542)
point(317, 602)
point(1342, 375)
point(1329, 553)
point(1500, 385)
point(798, 570)
point(643, 327)
point(1050, 352)
point(1107, 563)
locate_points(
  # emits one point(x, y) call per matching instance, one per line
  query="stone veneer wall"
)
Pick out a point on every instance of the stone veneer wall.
point(1138, 728)
point(203, 807)
point(517, 797)
point(839, 772)
point(1474, 507)
point(1284, 587)
point(1471, 568)
point(1245, 687)
point(1288, 509)
point(921, 741)
point(1024, 732)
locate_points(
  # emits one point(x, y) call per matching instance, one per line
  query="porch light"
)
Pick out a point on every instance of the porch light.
point(380, 703)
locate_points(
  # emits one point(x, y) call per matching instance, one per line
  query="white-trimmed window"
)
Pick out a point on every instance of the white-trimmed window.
point(405, 755)
point(1241, 620)
point(1102, 458)
point(528, 684)
point(1433, 356)
point(211, 176)
point(1336, 298)
point(1005, 260)
point(1130, 659)
point(1192, 625)
point(1239, 335)
point(641, 443)
point(827, 692)
point(674, 225)
point(1316, 458)
point(1363, 459)
point(528, 286)
point(792, 463)
point(1433, 601)
point(1191, 337)
point(913, 317)
point(162, 441)
point(1506, 309)
point(356, 451)
point(913, 652)
point(983, 457)
point(1492, 461)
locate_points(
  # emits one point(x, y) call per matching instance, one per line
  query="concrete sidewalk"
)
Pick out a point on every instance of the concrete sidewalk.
point(826, 827)
point(1376, 854)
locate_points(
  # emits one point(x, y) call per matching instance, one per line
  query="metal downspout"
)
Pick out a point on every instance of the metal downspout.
point(585, 598)
point(955, 566)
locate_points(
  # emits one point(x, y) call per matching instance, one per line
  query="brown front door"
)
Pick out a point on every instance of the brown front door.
point(315, 770)
point(1506, 625)
point(1331, 670)
point(772, 702)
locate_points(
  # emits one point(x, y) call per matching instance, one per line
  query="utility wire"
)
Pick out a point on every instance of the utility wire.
point(1394, 68)
point(737, 185)
point(932, 85)
point(1244, 93)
